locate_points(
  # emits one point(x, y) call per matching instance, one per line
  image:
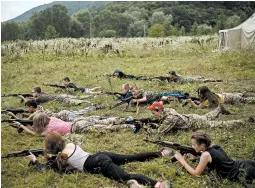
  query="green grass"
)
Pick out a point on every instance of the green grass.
point(21, 74)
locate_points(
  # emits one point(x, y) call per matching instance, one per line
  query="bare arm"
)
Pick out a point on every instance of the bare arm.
point(204, 159)
point(144, 99)
point(195, 105)
point(12, 115)
point(27, 130)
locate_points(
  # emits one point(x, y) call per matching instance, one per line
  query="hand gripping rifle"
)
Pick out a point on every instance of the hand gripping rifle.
point(182, 148)
point(22, 121)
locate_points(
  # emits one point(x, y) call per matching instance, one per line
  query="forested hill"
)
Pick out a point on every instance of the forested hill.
point(72, 7)
point(127, 19)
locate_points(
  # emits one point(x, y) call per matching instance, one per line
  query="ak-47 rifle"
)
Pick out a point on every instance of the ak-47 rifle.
point(24, 153)
point(55, 85)
point(17, 94)
point(108, 75)
point(123, 101)
point(182, 148)
point(116, 94)
point(162, 78)
point(112, 93)
point(14, 111)
point(22, 121)
point(138, 123)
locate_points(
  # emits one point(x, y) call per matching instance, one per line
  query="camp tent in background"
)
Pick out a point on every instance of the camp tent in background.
point(242, 36)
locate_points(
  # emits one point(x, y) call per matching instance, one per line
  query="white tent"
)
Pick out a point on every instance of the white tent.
point(242, 36)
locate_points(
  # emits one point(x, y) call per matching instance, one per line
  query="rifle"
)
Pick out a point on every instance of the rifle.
point(108, 75)
point(123, 101)
point(14, 111)
point(17, 94)
point(192, 98)
point(138, 123)
point(24, 153)
point(161, 78)
point(55, 85)
point(182, 148)
point(22, 121)
point(112, 93)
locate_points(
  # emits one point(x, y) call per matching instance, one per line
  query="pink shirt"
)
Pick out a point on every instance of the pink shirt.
point(57, 125)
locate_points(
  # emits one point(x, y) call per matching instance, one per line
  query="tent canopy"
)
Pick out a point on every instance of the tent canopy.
point(241, 36)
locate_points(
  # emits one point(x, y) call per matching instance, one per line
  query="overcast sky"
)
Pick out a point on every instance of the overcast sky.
point(12, 9)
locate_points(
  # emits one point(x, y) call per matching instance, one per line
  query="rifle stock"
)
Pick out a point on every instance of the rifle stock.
point(182, 148)
point(55, 85)
point(14, 111)
point(24, 153)
point(17, 94)
point(123, 101)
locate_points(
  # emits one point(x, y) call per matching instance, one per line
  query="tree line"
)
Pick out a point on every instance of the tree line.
point(131, 19)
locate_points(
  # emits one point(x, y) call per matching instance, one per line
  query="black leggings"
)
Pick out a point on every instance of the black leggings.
point(247, 170)
point(108, 164)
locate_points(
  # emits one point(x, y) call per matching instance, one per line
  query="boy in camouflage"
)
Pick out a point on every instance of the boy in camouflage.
point(41, 97)
point(65, 115)
point(173, 77)
point(88, 124)
point(173, 121)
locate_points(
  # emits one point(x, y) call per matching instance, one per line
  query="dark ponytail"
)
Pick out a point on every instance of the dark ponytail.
point(202, 138)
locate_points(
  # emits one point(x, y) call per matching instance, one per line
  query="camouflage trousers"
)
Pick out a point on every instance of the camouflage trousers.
point(231, 98)
point(198, 79)
point(207, 121)
point(73, 100)
point(97, 123)
point(176, 121)
point(69, 116)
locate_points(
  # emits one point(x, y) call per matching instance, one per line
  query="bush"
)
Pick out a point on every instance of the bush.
point(157, 30)
point(107, 33)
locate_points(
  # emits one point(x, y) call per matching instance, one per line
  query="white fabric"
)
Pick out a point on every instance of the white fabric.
point(78, 158)
point(242, 36)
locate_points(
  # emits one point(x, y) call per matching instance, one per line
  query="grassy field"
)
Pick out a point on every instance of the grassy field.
point(20, 73)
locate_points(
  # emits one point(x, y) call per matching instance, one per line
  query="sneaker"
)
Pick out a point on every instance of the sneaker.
point(224, 110)
point(134, 184)
point(165, 184)
point(167, 151)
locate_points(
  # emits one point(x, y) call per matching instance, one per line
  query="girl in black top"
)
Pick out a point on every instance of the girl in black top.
point(106, 163)
point(215, 158)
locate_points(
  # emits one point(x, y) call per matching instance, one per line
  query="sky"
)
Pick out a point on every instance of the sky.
point(12, 9)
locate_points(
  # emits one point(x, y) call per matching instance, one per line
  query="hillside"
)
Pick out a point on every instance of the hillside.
point(72, 7)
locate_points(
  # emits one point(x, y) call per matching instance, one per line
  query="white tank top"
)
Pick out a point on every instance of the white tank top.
point(78, 158)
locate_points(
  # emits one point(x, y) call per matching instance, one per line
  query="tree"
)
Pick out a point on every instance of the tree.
point(194, 29)
point(182, 31)
point(232, 21)
point(173, 31)
point(136, 29)
point(10, 31)
point(76, 29)
point(157, 30)
point(85, 18)
point(204, 29)
point(50, 32)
